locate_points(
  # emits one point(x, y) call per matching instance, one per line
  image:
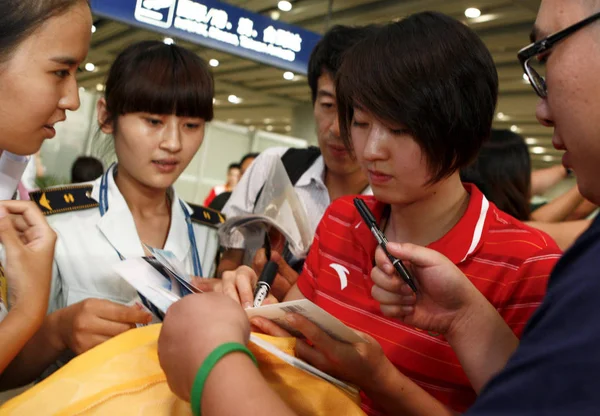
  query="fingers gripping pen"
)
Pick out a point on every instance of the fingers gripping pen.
point(369, 220)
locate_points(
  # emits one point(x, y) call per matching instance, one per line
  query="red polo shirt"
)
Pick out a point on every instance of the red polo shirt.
point(506, 260)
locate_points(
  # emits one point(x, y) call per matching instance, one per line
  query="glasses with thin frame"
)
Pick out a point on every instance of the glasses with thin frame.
point(532, 57)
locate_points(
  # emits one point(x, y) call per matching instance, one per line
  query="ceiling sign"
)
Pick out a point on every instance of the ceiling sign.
point(219, 26)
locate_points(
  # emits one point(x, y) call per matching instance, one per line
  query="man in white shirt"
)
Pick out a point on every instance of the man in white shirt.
point(333, 174)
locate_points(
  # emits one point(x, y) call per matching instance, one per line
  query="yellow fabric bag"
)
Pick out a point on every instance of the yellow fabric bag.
point(123, 377)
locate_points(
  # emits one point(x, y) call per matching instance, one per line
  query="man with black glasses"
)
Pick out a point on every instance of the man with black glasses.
point(556, 368)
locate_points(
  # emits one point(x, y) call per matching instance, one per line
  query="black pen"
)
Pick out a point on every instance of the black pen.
point(267, 276)
point(263, 287)
point(370, 222)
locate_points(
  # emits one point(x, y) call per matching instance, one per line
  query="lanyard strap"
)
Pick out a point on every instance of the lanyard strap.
point(103, 206)
point(192, 237)
point(103, 203)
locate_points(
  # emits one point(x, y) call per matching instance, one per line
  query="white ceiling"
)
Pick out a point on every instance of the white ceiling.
point(269, 99)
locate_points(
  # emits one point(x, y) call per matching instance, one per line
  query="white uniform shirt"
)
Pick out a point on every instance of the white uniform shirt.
point(310, 188)
point(87, 245)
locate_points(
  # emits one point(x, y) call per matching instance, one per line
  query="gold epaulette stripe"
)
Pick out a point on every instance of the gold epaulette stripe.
point(77, 208)
point(76, 198)
point(206, 216)
point(61, 188)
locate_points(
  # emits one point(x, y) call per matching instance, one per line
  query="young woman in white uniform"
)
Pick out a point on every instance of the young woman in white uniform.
point(111, 219)
point(42, 43)
point(157, 100)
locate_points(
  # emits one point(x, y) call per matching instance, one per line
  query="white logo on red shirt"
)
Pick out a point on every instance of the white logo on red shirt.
point(342, 273)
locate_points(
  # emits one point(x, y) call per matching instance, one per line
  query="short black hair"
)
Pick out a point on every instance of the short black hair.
point(248, 156)
point(502, 171)
point(156, 78)
point(85, 169)
point(430, 74)
point(233, 166)
point(327, 55)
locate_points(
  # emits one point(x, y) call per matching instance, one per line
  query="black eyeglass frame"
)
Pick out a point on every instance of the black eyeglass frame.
point(544, 45)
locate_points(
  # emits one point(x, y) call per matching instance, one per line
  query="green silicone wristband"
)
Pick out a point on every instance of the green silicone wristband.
point(209, 363)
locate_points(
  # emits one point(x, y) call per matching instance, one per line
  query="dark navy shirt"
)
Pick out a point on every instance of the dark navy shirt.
point(556, 369)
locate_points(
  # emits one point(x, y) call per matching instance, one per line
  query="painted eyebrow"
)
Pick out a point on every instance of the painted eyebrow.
point(66, 60)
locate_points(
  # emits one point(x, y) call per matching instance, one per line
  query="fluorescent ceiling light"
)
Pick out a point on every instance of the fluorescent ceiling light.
point(234, 99)
point(472, 13)
point(538, 150)
point(284, 6)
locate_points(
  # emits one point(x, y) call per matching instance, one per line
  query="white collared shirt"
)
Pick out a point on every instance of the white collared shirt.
point(87, 245)
point(310, 188)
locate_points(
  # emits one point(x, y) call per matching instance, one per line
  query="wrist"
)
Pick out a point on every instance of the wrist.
point(30, 316)
point(28, 322)
point(234, 378)
point(195, 363)
point(53, 329)
point(475, 313)
point(382, 379)
point(223, 335)
point(214, 362)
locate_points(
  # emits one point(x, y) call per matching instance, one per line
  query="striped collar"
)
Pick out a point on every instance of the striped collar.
point(458, 244)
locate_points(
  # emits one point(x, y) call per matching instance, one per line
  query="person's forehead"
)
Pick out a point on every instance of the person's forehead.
point(65, 37)
point(555, 15)
point(326, 84)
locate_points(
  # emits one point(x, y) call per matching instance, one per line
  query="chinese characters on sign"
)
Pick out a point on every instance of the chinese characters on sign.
point(233, 28)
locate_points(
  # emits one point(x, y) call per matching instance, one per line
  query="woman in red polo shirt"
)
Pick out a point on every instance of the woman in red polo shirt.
point(416, 100)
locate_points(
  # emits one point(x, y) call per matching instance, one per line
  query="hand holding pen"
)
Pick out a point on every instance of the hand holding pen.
point(267, 276)
point(447, 299)
point(371, 223)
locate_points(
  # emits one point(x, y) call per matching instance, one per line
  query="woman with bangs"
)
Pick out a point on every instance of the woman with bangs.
point(157, 100)
point(416, 101)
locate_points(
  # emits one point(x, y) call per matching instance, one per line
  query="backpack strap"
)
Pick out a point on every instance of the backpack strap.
point(64, 199)
point(296, 162)
point(206, 216)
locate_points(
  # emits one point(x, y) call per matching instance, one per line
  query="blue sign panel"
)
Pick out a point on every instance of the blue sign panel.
point(218, 26)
